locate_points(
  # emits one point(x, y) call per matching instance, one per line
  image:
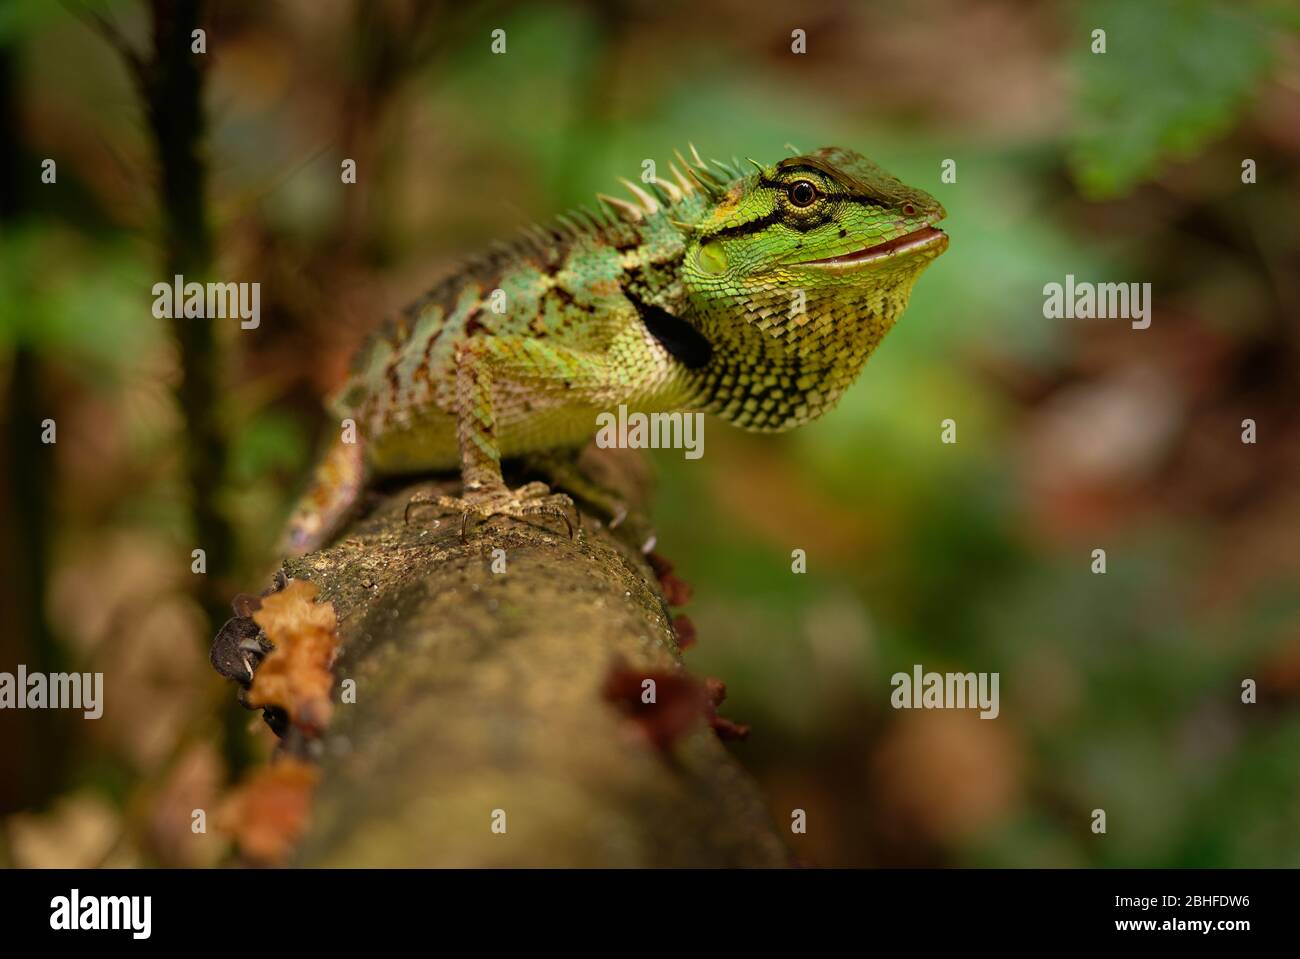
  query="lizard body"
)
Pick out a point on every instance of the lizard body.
point(757, 297)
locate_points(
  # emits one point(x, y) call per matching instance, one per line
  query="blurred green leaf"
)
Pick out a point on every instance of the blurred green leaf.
point(20, 18)
point(272, 441)
point(66, 296)
point(1174, 75)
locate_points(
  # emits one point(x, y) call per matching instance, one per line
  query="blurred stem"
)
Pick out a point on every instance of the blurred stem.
point(29, 477)
point(31, 481)
point(173, 89)
point(172, 84)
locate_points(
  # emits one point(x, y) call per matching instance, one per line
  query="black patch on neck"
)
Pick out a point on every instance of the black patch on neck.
point(684, 342)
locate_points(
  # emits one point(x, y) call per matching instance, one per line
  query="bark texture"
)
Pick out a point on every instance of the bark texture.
point(479, 692)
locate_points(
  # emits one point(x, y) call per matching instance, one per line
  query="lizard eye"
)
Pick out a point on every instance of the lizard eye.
point(801, 193)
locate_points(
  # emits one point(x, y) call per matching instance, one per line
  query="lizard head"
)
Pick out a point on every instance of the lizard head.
point(799, 269)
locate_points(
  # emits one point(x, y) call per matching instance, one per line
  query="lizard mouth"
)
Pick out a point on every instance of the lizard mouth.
point(926, 238)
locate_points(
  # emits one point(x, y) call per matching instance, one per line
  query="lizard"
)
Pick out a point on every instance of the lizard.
point(754, 294)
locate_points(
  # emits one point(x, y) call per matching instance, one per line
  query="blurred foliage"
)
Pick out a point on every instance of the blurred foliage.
point(75, 299)
point(1119, 691)
point(1176, 75)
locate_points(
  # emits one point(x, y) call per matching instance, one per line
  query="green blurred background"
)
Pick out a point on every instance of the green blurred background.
point(1119, 691)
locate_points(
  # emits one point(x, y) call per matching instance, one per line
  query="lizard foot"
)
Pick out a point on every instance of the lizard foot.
point(606, 501)
point(531, 499)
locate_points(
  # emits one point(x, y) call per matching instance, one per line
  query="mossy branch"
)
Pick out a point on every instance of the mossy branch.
point(478, 691)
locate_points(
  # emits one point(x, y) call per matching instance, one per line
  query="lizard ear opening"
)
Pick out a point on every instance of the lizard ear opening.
point(683, 342)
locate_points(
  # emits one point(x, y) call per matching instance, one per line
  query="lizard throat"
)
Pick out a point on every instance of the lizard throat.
point(684, 343)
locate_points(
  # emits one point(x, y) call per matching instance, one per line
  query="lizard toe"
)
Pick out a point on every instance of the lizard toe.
point(533, 499)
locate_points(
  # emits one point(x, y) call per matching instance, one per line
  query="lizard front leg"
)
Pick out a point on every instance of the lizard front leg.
point(483, 365)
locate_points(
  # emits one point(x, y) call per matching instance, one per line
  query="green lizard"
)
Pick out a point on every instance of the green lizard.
point(757, 297)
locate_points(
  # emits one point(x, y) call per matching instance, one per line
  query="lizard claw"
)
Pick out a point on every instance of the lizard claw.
point(532, 499)
point(416, 500)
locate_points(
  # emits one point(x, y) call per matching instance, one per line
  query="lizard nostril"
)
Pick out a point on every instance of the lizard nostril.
point(909, 210)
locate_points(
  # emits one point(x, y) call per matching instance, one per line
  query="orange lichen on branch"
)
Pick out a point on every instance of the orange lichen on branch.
point(677, 703)
point(296, 675)
point(677, 592)
point(715, 690)
point(684, 628)
point(268, 812)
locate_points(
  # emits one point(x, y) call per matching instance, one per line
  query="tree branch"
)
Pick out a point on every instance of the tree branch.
point(481, 691)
